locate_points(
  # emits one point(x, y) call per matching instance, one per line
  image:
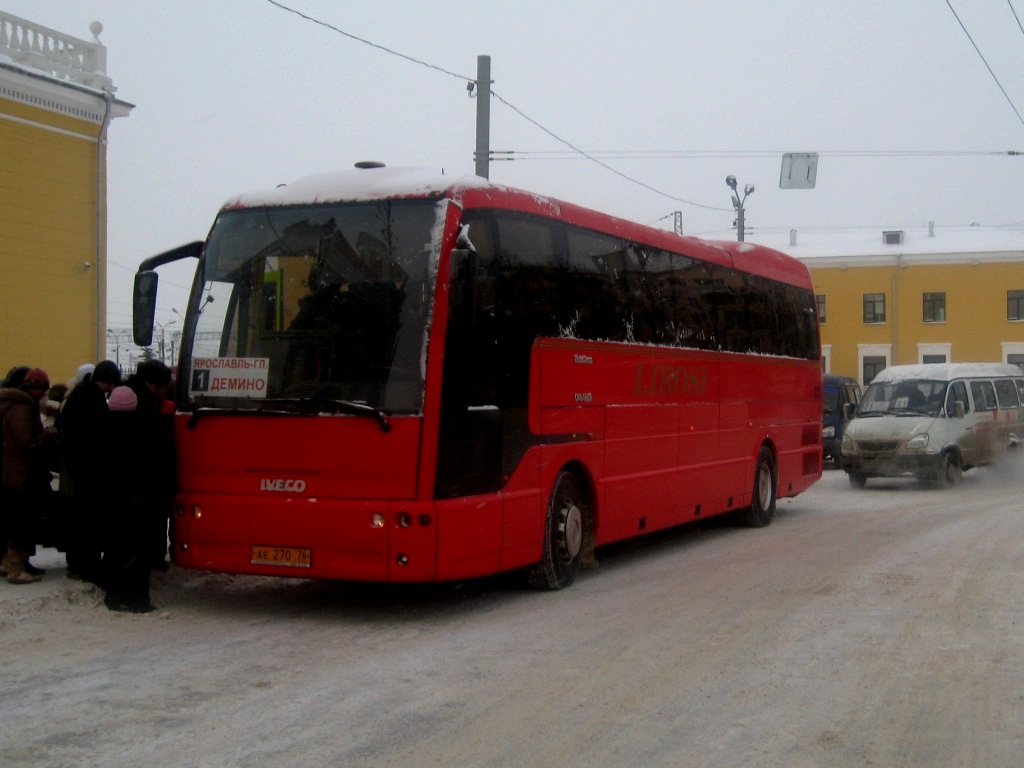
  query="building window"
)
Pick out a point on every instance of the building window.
point(1017, 360)
point(820, 298)
point(935, 307)
point(928, 359)
point(874, 308)
point(872, 367)
point(1015, 305)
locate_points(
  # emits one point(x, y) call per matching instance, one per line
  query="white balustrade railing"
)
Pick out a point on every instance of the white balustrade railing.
point(63, 56)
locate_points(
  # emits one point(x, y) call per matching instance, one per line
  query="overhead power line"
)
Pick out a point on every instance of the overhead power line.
point(683, 154)
point(504, 101)
point(985, 62)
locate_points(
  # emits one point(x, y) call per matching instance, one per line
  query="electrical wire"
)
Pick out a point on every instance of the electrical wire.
point(1016, 18)
point(364, 41)
point(681, 154)
point(593, 159)
point(985, 62)
point(504, 101)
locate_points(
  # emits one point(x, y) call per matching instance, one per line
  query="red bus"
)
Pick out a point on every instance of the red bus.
point(393, 377)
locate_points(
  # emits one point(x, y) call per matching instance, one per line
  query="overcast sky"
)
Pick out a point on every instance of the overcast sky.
point(234, 95)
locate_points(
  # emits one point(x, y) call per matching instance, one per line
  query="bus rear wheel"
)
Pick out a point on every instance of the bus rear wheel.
point(762, 505)
point(563, 537)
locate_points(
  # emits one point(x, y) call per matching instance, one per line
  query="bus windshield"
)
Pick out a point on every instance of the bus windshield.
point(324, 302)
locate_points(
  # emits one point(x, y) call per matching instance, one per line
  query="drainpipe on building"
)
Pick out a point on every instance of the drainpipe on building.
point(101, 200)
point(895, 313)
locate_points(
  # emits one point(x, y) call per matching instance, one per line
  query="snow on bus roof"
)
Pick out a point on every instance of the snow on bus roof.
point(374, 181)
point(369, 183)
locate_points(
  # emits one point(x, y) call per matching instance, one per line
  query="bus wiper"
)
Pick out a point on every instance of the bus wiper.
point(291, 406)
point(328, 405)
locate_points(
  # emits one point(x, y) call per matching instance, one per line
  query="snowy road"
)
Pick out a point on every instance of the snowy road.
point(879, 627)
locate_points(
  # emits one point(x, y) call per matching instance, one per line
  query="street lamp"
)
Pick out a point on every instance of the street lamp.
point(737, 203)
point(161, 326)
point(117, 347)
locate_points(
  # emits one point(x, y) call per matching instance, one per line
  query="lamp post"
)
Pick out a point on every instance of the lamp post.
point(737, 203)
point(161, 326)
point(117, 347)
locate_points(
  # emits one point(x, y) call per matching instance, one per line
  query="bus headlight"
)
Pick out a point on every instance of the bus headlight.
point(918, 441)
point(829, 431)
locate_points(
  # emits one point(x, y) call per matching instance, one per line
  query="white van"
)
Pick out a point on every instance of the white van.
point(933, 421)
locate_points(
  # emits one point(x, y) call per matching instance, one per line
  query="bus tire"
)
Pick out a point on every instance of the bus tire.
point(949, 472)
point(762, 503)
point(563, 536)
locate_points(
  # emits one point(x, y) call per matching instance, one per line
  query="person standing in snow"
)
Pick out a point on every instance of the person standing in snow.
point(127, 447)
point(25, 477)
point(149, 383)
point(82, 423)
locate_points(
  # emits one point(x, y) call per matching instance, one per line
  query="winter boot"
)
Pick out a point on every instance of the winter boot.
point(16, 573)
point(5, 566)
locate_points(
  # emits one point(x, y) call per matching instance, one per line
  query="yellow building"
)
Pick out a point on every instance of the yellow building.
point(915, 296)
point(56, 103)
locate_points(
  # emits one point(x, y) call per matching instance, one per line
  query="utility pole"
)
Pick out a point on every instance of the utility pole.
point(483, 116)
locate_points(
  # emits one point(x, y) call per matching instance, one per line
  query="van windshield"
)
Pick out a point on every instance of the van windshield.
point(913, 397)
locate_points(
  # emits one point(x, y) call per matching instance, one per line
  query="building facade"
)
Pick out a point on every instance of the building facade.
point(916, 296)
point(56, 104)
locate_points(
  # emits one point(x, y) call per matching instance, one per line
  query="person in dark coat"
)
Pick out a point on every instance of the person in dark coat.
point(127, 447)
point(25, 478)
point(149, 383)
point(81, 422)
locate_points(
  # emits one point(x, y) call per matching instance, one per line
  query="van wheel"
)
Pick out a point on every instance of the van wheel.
point(762, 505)
point(950, 472)
point(857, 480)
point(563, 537)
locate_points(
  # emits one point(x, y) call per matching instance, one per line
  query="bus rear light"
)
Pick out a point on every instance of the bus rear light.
point(180, 509)
point(197, 511)
point(377, 521)
point(184, 546)
point(402, 559)
point(404, 520)
point(425, 520)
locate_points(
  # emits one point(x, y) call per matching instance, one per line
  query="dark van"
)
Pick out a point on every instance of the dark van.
point(837, 391)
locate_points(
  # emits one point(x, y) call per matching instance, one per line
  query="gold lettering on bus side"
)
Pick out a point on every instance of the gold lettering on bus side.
point(678, 381)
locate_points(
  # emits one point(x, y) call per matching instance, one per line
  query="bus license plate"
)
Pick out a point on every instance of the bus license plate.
point(293, 557)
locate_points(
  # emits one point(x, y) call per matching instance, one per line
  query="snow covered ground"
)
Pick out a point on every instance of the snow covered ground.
point(876, 627)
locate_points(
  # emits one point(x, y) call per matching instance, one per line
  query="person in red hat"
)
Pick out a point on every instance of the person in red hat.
point(25, 477)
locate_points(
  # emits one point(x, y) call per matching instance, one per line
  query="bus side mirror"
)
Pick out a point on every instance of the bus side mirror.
point(144, 307)
point(848, 409)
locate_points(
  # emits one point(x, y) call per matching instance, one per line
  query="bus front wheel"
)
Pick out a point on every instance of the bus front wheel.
point(762, 505)
point(563, 536)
